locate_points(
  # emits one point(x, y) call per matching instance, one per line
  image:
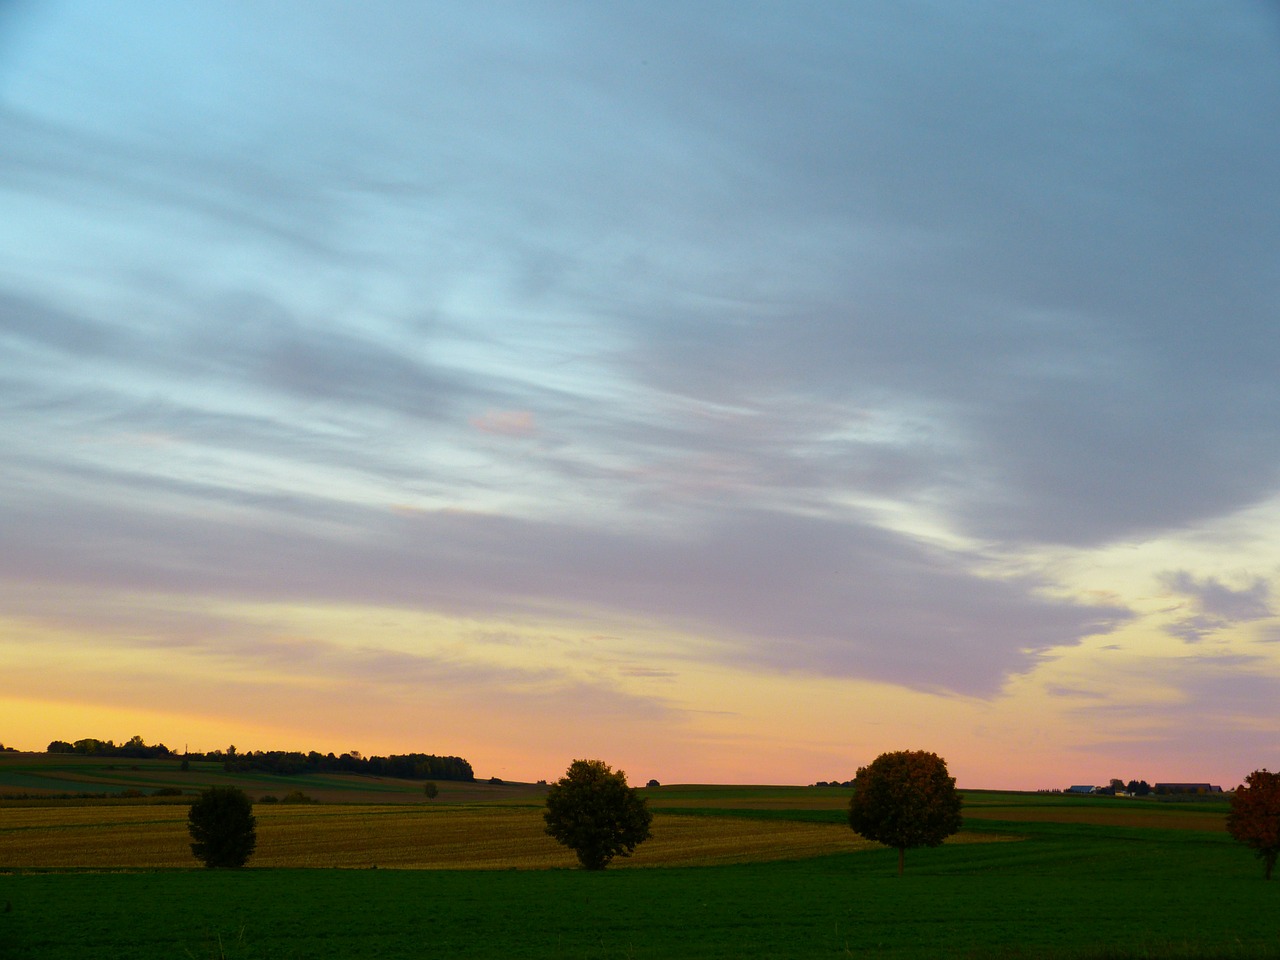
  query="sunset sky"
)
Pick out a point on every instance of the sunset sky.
point(731, 391)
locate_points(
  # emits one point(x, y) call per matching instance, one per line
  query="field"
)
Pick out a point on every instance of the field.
point(60, 774)
point(403, 837)
point(730, 872)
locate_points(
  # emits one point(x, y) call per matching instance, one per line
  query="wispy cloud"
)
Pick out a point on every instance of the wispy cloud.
point(782, 592)
point(1216, 606)
point(801, 335)
point(508, 423)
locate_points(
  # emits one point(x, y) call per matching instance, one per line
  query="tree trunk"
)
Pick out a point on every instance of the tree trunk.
point(902, 859)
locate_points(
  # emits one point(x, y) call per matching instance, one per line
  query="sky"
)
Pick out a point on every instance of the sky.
point(730, 391)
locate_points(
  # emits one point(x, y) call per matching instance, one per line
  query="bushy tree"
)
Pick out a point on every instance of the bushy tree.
point(592, 811)
point(1255, 816)
point(905, 799)
point(222, 824)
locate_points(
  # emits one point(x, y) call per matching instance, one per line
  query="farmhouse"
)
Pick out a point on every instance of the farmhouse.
point(1167, 788)
point(1081, 789)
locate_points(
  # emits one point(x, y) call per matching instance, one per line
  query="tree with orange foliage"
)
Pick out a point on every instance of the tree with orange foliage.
point(1255, 816)
point(905, 799)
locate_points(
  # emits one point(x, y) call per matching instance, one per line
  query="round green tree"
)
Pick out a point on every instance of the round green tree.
point(593, 812)
point(223, 827)
point(1255, 816)
point(905, 799)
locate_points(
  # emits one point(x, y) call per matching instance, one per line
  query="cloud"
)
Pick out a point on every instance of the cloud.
point(769, 287)
point(1216, 605)
point(506, 423)
point(769, 591)
point(1000, 243)
point(256, 341)
point(1051, 302)
point(1210, 719)
point(187, 643)
point(1218, 600)
point(36, 328)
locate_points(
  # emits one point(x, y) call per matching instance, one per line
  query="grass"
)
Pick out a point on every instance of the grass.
point(1003, 900)
point(731, 872)
point(33, 774)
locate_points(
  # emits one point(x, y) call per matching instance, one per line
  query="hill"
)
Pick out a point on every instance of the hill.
point(35, 776)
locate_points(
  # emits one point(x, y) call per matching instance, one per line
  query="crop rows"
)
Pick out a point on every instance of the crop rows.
point(1067, 886)
point(390, 836)
point(1151, 818)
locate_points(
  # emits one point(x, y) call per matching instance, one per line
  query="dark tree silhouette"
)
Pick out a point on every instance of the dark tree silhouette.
point(592, 811)
point(905, 799)
point(1255, 816)
point(222, 824)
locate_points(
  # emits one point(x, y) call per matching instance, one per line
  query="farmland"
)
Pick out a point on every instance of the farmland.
point(63, 774)
point(730, 872)
point(499, 837)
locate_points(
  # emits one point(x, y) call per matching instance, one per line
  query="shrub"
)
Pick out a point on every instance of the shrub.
point(223, 828)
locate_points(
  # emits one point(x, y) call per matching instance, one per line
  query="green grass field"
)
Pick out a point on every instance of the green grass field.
point(55, 774)
point(1033, 899)
point(1075, 878)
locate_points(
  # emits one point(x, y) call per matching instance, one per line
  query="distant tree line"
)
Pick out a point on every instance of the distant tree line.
point(134, 749)
point(410, 766)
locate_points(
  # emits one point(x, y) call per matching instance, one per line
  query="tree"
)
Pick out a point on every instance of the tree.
point(1255, 816)
point(905, 799)
point(430, 789)
point(592, 811)
point(1138, 788)
point(222, 824)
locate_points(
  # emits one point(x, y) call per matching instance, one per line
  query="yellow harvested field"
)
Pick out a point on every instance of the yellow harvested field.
point(399, 836)
point(793, 802)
